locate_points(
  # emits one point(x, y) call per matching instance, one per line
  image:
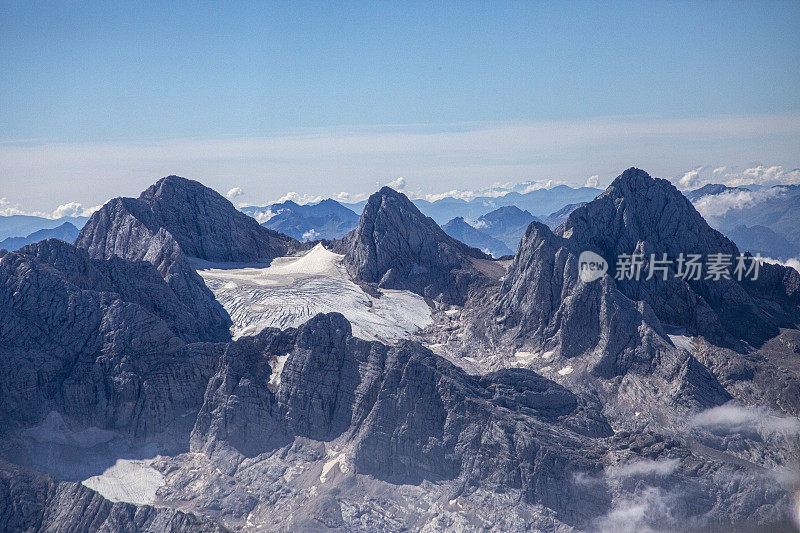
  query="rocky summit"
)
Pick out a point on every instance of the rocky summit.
point(518, 395)
point(395, 246)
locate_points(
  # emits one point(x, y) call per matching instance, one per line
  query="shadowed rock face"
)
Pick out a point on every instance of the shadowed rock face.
point(104, 341)
point(544, 304)
point(201, 222)
point(87, 339)
point(397, 247)
point(136, 282)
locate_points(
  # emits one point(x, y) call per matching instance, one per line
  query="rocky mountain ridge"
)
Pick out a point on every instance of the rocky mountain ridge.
point(536, 400)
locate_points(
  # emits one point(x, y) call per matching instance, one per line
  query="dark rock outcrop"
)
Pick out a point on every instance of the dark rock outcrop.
point(408, 414)
point(397, 247)
point(199, 220)
point(172, 221)
point(100, 358)
point(136, 282)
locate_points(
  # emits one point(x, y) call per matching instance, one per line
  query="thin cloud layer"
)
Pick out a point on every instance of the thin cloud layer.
point(761, 175)
point(462, 156)
point(720, 204)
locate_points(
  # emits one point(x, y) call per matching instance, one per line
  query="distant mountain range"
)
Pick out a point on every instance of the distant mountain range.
point(539, 202)
point(65, 232)
point(499, 232)
point(327, 219)
point(24, 225)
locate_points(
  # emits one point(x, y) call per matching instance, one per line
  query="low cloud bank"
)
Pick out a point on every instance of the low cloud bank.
point(733, 418)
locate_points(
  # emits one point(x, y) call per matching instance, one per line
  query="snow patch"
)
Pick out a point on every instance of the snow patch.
point(525, 358)
point(339, 461)
point(682, 341)
point(291, 290)
point(276, 364)
point(565, 371)
point(129, 480)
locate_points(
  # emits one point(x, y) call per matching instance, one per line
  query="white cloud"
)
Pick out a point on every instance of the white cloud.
point(74, 209)
point(690, 179)
point(70, 209)
point(719, 204)
point(733, 418)
point(644, 467)
point(311, 235)
point(234, 193)
point(793, 262)
point(462, 156)
point(644, 511)
point(736, 177)
point(397, 184)
point(591, 181)
point(299, 198)
point(8, 209)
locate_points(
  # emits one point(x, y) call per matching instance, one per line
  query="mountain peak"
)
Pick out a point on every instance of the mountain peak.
point(202, 222)
point(641, 215)
point(397, 247)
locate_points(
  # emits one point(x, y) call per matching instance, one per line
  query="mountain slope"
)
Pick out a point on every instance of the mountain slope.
point(23, 225)
point(554, 220)
point(200, 221)
point(84, 338)
point(172, 221)
point(638, 214)
point(506, 224)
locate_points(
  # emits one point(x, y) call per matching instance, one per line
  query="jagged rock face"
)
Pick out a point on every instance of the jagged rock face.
point(397, 247)
point(30, 501)
point(545, 304)
point(638, 214)
point(97, 357)
point(407, 414)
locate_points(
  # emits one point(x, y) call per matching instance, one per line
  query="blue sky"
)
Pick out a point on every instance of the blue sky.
point(153, 77)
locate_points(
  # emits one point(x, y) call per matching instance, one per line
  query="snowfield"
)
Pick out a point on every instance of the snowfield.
point(129, 480)
point(291, 290)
